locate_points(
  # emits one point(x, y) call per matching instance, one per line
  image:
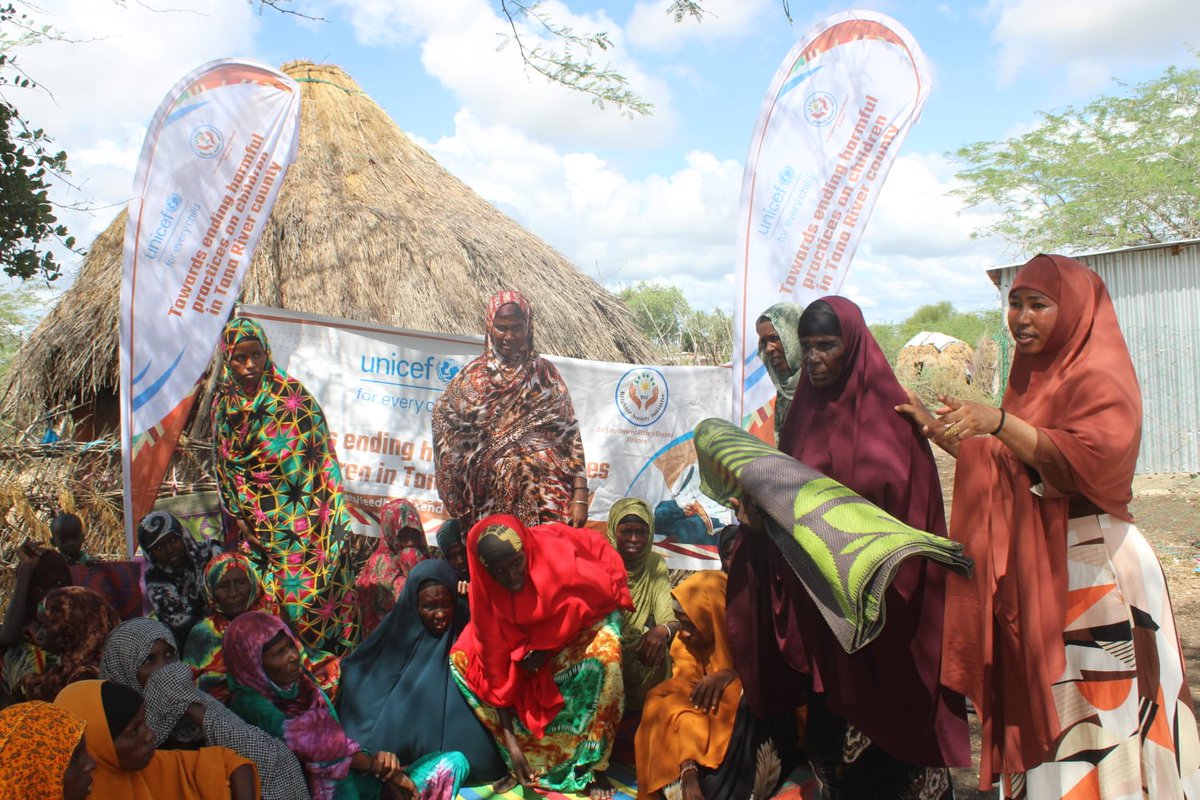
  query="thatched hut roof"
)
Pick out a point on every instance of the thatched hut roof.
point(367, 226)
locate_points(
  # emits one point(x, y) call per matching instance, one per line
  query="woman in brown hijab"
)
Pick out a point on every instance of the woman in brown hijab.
point(1064, 637)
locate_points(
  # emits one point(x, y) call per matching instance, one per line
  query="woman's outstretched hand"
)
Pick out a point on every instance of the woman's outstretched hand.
point(930, 426)
point(963, 419)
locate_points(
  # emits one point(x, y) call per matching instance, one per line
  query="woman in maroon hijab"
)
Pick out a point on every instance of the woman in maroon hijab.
point(880, 725)
point(1064, 637)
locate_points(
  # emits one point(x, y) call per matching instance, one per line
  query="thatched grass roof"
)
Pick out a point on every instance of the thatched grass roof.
point(367, 226)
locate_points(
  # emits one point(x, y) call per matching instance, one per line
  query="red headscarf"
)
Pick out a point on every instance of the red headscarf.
point(889, 690)
point(1003, 633)
point(575, 578)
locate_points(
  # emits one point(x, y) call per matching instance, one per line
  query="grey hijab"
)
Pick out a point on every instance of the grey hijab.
point(171, 690)
point(786, 319)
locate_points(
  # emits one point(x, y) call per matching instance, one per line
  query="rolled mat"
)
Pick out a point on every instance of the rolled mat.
point(844, 549)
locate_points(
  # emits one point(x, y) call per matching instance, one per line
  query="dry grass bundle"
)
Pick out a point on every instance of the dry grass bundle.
point(930, 373)
point(956, 361)
point(987, 366)
point(39, 481)
point(367, 226)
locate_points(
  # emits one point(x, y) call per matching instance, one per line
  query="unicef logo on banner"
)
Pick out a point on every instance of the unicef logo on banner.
point(642, 395)
point(207, 141)
point(447, 368)
point(820, 109)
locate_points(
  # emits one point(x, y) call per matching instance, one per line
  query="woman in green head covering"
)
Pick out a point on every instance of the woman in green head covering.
point(648, 629)
point(779, 350)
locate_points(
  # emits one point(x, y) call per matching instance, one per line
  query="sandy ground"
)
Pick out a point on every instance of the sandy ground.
point(1167, 511)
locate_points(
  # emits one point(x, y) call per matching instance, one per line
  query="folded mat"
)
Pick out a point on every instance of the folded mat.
point(844, 549)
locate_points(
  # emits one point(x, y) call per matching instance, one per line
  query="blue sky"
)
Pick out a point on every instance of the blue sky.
point(646, 199)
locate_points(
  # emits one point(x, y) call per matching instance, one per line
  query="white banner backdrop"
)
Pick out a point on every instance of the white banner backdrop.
point(377, 386)
point(827, 133)
point(213, 160)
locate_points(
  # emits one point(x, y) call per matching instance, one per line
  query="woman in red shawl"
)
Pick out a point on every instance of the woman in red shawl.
point(1064, 638)
point(542, 668)
point(505, 437)
point(880, 725)
point(402, 545)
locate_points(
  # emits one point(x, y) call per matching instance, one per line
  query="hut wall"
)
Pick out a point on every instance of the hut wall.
point(1156, 292)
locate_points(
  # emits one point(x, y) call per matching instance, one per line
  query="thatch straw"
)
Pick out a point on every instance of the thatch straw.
point(367, 226)
point(956, 360)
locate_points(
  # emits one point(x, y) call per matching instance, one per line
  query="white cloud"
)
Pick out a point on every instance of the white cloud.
point(1090, 38)
point(674, 228)
point(678, 227)
point(102, 85)
point(652, 28)
point(470, 49)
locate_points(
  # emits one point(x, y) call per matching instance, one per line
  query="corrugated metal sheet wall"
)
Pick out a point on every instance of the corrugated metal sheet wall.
point(1156, 292)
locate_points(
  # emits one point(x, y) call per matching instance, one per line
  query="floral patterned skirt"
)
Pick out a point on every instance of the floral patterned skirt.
point(579, 739)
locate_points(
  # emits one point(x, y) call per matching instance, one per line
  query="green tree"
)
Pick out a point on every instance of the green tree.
point(966, 326)
point(1120, 171)
point(20, 307)
point(659, 311)
point(28, 163)
point(679, 331)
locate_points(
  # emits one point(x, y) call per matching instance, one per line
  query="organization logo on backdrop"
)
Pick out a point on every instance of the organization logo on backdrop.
point(820, 109)
point(447, 368)
point(207, 141)
point(642, 396)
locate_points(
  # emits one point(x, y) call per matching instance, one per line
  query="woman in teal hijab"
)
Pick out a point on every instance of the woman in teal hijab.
point(397, 693)
point(779, 350)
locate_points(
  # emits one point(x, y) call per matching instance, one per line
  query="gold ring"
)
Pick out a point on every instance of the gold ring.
point(952, 430)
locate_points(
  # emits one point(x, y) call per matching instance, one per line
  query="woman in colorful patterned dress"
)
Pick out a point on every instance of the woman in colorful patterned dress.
point(234, 587)
point(175, 576)
point(505, 437)
point(542, 667)
point(402, 545)
point(72, 623)
point(278, 475)
point(1064, 638)
point(42, 754)
point(272, 691)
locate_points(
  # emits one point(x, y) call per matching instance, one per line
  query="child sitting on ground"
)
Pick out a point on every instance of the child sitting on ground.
point(66, 535)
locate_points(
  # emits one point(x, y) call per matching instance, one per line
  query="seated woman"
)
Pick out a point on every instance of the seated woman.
point(401, 546)
point(397, 693)
point(695, 730)
point(272, 690)
point(71, 624)
point(235, 587)
point(450, 542)
point(129, 766)
point(39, 572)
point(141, 655)
point(540, 661)
point(647, 630)
point(42, 754)
point(175, 577)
